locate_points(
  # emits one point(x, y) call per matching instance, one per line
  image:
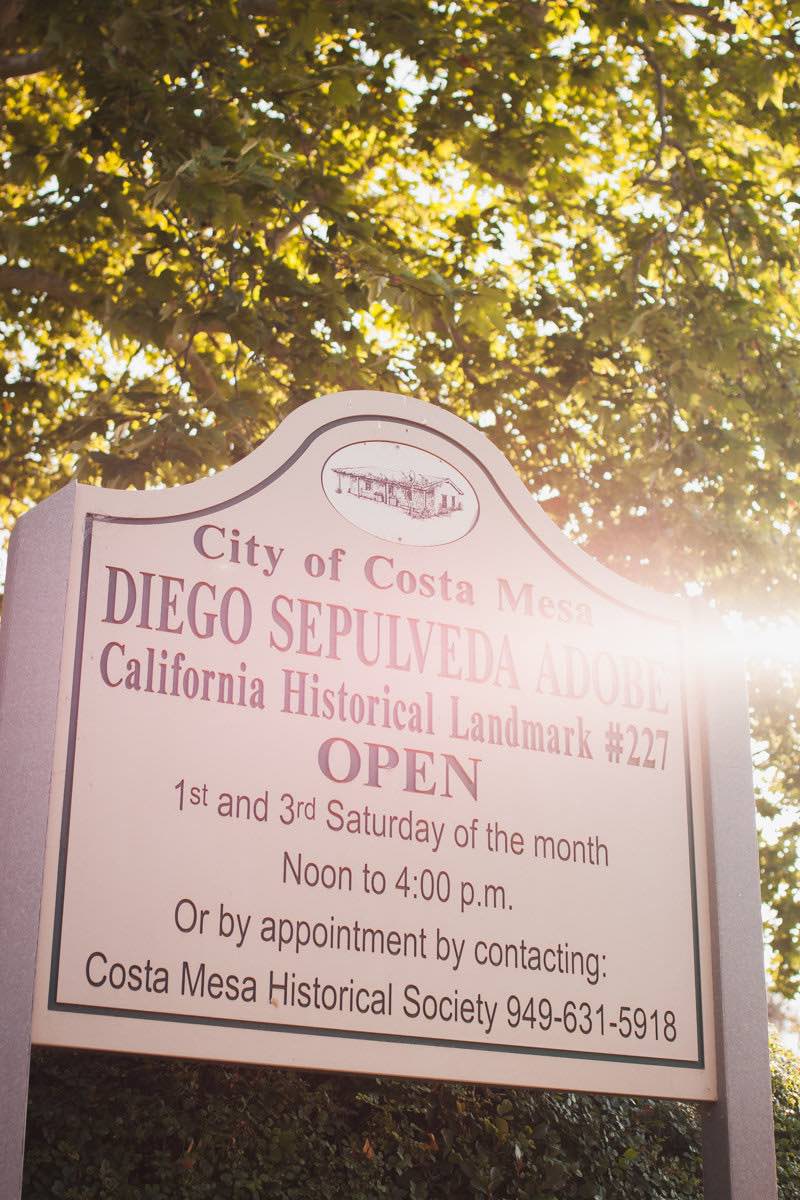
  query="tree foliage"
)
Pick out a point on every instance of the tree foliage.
point(573, 223)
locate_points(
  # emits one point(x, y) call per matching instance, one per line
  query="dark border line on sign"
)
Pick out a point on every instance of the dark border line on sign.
point(692, 858)
point(364, 1035)
point(63, 849)
point(55, 1005)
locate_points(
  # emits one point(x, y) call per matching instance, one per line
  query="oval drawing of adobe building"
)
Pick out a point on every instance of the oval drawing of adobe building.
point(400, 493)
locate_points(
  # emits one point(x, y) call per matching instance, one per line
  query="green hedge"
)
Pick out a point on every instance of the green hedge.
point(786, 1107)
point(103, 1127)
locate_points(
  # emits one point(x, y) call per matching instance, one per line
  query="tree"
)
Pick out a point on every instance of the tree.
point(573, 223)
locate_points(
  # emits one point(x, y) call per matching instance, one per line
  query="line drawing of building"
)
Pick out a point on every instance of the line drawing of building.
point(421, 496)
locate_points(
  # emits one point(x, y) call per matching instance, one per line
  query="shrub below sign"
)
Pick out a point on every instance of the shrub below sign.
point(144, 1129)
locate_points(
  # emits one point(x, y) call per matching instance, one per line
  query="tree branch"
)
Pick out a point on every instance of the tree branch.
point(642, 254)
point(33, 282)
point(259, 8)
point(193, 369)
point(277, 237)
point(9, 11)
point(728, 249)
point(684, 8)
point(15, 66)
point(661, 94)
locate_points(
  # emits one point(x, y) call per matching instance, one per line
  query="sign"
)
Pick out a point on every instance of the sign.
point(362, 765)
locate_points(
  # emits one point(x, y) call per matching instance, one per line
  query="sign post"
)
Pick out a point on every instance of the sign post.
point(738, 1134)
point(355, 762)
point(31, 641)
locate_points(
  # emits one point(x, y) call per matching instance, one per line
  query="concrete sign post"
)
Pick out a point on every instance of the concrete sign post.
point(348, 759)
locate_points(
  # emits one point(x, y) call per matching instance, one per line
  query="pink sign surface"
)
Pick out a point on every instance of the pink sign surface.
point(362, 765)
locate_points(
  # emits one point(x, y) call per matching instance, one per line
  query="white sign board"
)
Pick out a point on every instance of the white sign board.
point(362, 765)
